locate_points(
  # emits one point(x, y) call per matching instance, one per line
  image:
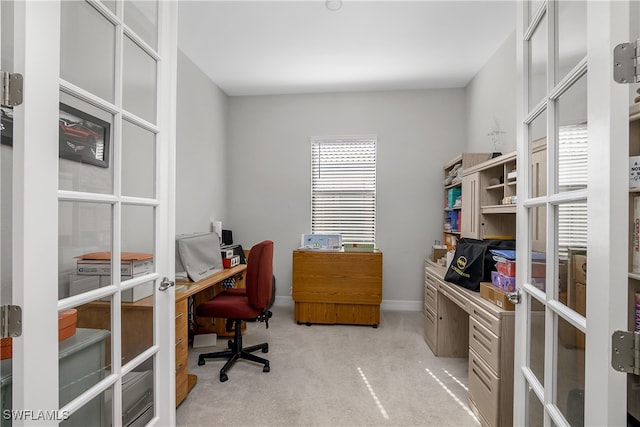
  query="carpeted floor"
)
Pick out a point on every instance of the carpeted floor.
point(332, 375)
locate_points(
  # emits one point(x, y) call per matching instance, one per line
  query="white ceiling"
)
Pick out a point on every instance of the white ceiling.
point(285, 47)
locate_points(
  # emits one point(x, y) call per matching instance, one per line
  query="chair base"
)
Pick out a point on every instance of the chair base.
point(236, 352)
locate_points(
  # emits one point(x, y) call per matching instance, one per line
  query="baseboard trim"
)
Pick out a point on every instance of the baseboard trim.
point(401, 305)
point(390, 305)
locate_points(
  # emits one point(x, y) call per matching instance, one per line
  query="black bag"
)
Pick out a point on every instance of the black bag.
point(473, 263)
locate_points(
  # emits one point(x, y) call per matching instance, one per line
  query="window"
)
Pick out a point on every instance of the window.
point(343, 187)
point(572, 174)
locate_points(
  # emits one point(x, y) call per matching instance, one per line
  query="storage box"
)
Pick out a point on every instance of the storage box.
point(634, 171)
point(438, 252)
point(495, 295)
point(231, 261)
point(508, 268)
point(79, 283)
point(327, 242)
point(579, 268)
point(504, 282)
point(127, 268)
point(6, 348)
point(67, 321)
point(358, 247)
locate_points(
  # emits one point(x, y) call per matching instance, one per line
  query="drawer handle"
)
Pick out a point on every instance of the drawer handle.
point(486, 320)
point(179, 366)
point(482, 334)
point(179, 315)
point(180, 341)
point(482, 343)
point(481, 375)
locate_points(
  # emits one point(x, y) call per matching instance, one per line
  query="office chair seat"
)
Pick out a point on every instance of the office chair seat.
point(249, 304)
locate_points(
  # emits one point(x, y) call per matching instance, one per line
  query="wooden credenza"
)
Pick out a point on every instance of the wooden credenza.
point(337, 287)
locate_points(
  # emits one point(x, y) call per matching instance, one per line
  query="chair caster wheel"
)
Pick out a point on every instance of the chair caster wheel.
point(230, 344)
point(200, 362)
point(265, 349)
point(223, 377)
point(375, 326)
point(266, 369)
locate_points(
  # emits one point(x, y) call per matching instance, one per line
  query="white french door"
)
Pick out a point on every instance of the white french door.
point(89, 169)
point(572, 200)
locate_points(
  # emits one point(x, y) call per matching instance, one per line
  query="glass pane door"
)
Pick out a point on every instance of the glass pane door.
point(562, 217)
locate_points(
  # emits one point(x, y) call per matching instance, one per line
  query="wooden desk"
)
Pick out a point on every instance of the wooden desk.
point(137, 323)
point(460, 323)
point(337, 287)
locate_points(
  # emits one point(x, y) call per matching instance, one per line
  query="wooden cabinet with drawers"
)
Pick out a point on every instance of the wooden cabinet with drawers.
point(182, 349)
point(459, 323)
point(337, 287)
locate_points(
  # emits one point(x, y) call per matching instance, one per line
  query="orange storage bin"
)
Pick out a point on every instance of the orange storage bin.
point(6, 348)
point(67, 321)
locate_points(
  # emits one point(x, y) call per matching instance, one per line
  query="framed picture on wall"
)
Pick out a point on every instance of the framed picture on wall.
point(83, 137)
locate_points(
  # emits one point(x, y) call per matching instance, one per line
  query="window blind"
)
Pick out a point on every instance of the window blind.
point(343, 187)
point(572, 175)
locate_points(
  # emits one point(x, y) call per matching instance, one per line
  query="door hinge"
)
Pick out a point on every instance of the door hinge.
point(11, 89)
point(11, 321)
point(625, 63)
point(625, 352)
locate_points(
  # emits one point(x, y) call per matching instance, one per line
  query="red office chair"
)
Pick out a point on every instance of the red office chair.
point(237, 307)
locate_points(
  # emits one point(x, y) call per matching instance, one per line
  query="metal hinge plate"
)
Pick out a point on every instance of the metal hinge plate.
point(625, 63)
point(625, 352)
point(11, 89)
point(11, 321)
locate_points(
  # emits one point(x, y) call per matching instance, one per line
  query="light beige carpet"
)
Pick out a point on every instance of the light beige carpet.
point(332, 375)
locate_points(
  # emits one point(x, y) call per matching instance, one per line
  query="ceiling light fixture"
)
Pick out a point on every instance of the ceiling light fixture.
point(333, 5)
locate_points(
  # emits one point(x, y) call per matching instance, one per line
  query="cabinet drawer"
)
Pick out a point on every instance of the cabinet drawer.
point(182, 353)
point(486, 319)
point(430, 296)
point(182, 384)
point(484, 388)
point(429, 278)
point(430, 327)
point(457, 298)
point(181, 319)
point(485, 343)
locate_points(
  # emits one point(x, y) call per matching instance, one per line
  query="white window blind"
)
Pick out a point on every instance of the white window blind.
point(572, 175)
point(343, 187)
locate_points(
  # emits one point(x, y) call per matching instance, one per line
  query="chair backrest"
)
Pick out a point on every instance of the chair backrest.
point(260, 275)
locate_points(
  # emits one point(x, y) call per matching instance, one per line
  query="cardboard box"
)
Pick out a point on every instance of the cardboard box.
point(495, 295)
point(99, 263)
point(438, 252)
point(103, 268)
point(579, 268)
point(79, 284)
point(129, 295)
point(634, 171)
